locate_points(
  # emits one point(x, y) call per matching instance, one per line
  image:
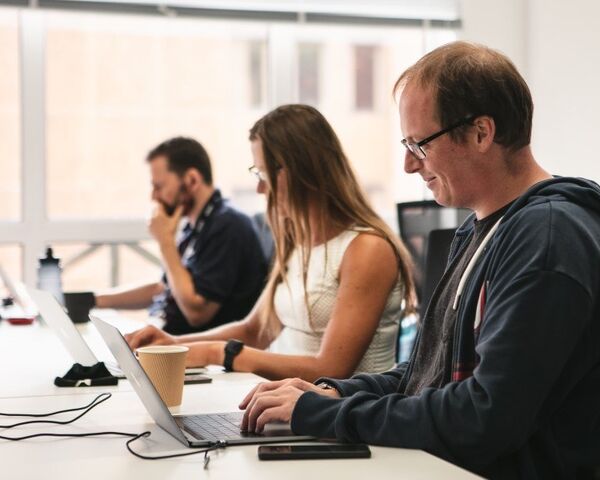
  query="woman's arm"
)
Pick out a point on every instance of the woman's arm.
point(368, 272)
point(247, 330)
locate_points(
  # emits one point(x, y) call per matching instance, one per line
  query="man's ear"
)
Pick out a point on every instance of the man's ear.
point(485, 130)
point(192, 178)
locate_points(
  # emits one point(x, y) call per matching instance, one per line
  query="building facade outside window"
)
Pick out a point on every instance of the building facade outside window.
point(308, 73)
point(364, 58)
point(117, 85)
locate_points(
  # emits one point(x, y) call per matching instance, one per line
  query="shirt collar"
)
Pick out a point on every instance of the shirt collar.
point(214, 201)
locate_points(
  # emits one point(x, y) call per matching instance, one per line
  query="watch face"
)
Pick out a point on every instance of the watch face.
point(234, 346)
point(232, 349)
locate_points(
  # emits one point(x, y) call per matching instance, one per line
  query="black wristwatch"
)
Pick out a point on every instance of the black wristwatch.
point(232, 349)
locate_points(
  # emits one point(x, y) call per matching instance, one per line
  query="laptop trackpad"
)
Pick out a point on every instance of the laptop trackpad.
point(277, 429)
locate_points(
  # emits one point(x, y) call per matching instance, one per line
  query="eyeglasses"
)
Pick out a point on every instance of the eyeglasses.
point(415, 147)
point(259, 174)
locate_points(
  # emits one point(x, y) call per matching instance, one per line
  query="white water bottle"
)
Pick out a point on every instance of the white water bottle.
point(48, 275)
point(408, 334)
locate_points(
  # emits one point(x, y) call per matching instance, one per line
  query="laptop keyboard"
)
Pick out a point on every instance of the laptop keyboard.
point(215, 426)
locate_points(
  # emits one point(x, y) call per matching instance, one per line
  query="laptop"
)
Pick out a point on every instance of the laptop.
point(192, 430)
point(57, 319)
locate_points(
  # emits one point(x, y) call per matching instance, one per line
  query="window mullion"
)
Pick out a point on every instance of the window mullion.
point(33, 138)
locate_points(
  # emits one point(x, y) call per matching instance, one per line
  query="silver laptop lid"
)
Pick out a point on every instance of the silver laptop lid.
point(60, 323)
point(138, 379)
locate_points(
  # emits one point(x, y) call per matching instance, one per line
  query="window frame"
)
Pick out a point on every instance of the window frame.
point(34, 230)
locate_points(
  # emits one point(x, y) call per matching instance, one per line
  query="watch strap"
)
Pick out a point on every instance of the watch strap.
point(233, 348)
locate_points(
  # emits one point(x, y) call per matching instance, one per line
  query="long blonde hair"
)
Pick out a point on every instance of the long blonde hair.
point(299, 139)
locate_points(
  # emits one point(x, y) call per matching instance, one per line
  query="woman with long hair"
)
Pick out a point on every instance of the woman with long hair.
point(340, 280)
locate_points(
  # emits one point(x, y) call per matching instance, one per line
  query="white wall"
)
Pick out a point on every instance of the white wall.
point(555, 45)
point(497, 24)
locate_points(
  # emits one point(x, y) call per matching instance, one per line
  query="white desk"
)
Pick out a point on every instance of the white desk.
point(102, 458)
point(27, 387)
point(32, 356)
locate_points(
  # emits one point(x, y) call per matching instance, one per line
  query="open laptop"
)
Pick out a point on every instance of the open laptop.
point(57, 319)
point(192, 430)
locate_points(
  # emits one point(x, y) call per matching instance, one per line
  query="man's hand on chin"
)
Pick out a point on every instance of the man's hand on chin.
point(162, 226)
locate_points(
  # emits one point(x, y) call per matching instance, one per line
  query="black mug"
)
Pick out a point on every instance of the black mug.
point(78, 305)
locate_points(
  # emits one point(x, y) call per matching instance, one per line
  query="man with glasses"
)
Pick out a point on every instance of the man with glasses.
point(504, 378)
point(215, 270)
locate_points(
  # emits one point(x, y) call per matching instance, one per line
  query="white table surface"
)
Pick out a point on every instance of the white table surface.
point(31, 357)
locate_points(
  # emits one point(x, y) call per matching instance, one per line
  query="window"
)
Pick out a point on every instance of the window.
point(11, 262)
point(308, 73)
point(358, 68)
point(10, 155)
point(364, 58)
point(257, 75)
point(96, 267)
point(118, 86)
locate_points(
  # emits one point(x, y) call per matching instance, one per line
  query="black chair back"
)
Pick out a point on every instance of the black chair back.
point(415, 221)
point(436, 259)
point(265, 235)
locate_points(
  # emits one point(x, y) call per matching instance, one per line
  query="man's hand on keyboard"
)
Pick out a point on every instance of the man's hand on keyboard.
point(275, 401)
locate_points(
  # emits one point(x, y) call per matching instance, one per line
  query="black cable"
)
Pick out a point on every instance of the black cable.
point(94, 403)
point(93, 434)
point(108, 395)
point(215, 446)
point(134, 437)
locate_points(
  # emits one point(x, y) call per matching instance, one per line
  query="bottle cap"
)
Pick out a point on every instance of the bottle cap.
point(49, 258)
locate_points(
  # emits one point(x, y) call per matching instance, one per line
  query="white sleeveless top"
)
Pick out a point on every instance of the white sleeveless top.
point(298, 337)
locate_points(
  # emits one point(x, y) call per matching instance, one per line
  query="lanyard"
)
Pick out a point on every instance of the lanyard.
point(187, 247)
point(471, 264)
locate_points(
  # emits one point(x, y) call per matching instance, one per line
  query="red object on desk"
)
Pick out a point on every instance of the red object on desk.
point(20, 320)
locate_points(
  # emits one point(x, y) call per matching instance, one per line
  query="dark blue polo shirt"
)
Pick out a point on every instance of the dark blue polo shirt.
point(223, 254)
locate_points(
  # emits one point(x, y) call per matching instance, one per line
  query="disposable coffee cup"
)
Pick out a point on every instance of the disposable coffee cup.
point(165, 366)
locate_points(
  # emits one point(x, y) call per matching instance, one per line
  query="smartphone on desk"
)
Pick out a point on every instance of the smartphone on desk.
point(195, 378)
point(300, 452)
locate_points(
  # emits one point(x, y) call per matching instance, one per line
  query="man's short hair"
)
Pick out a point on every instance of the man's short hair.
point(469, 79)
point(183, 153)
